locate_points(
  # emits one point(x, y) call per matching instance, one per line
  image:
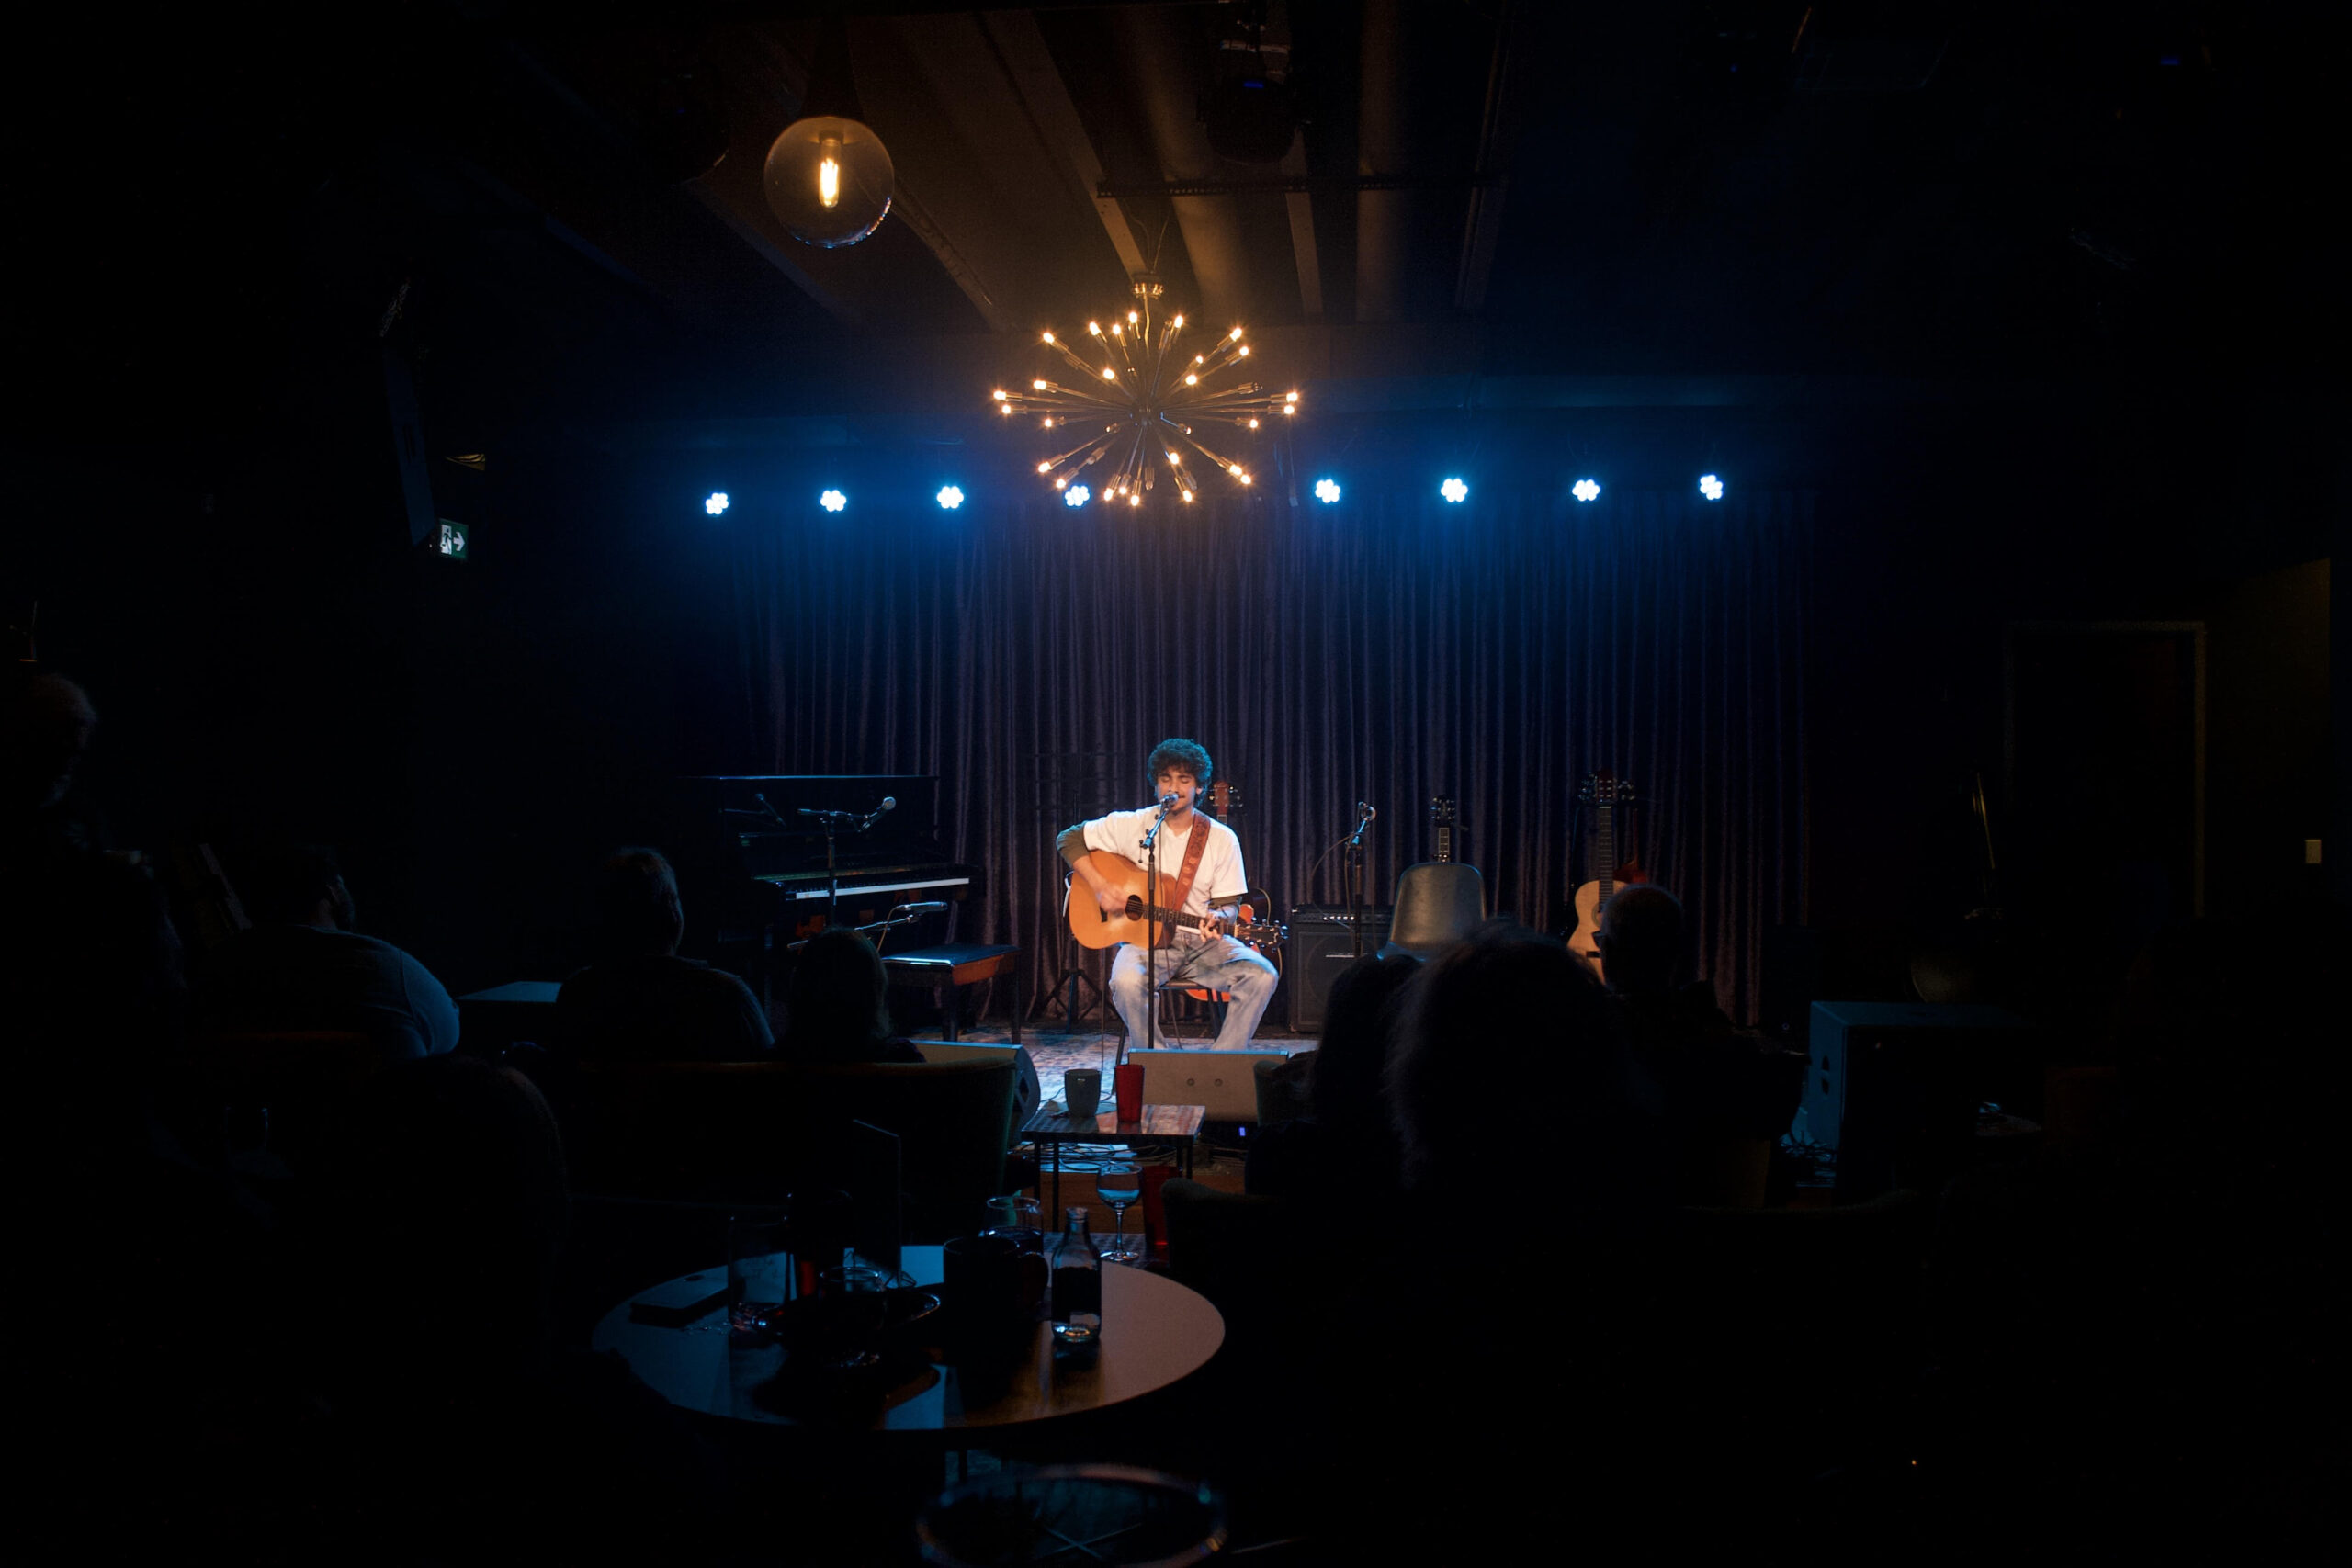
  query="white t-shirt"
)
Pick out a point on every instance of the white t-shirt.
point(1220, 879)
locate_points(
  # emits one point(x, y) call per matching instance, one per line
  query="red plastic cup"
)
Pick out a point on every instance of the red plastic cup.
point(1128, 1086)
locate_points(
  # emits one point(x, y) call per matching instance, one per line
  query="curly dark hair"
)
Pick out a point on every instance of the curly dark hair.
point(1189, 755)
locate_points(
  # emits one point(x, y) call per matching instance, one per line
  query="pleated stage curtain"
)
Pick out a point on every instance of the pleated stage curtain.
point(1386, 651)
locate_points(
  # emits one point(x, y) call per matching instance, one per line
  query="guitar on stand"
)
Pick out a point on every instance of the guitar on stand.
point(1605, 793)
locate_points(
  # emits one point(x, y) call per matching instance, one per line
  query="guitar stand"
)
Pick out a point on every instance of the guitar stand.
point(1066, 987)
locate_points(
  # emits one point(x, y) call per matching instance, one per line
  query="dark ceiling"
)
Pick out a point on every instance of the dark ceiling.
point(1935, 189)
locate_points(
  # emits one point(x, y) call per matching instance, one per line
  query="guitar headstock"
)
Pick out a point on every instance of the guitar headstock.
point(1224, 800)
point(1604, 789)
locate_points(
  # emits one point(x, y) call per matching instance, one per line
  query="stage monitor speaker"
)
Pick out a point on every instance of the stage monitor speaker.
point(1224, 1082)
point(1321, 944)
point(1892, 1087)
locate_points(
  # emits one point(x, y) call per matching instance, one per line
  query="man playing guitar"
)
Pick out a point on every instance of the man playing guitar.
point(1200, 884)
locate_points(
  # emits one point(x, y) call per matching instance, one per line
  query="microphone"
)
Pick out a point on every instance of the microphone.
point(889, 803)
point(1366, 812)
point(1170, 800)
point(929, 906)
point(871, 818)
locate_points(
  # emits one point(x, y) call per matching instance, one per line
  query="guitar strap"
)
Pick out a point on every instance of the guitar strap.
point(1197, 843)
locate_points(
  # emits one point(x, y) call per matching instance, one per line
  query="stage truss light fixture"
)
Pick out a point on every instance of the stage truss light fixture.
point(832, 500)
point(950, 498)
point(1454, 491)
point(1327, 492)
point(716, 503)
point(1586, 490)
point(1076, 495)
point(1711, 487)
point(1142, 410)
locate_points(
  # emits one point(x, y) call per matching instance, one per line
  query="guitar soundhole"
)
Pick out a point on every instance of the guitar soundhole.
point(1135, 907)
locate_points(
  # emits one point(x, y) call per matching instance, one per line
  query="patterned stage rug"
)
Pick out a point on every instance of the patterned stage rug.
point(1056, 1051)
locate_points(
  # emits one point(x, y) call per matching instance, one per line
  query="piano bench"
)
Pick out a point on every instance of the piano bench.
point(946, 969)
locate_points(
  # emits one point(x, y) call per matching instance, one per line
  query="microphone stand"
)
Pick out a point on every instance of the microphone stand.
point(1355, 869)
point(1153, 934)
point(832, 819)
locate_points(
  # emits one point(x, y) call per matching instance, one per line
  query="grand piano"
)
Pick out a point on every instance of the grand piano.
point(751, 844)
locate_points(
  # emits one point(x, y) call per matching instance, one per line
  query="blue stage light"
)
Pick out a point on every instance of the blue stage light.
point(1586, 490)
point(832, 500)
point(1454, 490)
point(950, 498)
point(1327, 491)
point(1711, 487)
point(1076, 495)
point(716, 503)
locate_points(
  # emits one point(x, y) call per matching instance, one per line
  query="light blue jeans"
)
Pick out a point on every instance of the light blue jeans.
point(1219, 965)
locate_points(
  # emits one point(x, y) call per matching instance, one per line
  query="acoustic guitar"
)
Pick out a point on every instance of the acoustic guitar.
point(1604, 793)
point(1139, 923)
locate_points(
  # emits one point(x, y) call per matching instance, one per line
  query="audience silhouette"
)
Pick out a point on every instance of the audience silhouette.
point(641, 1001)
point(303, 967)
point(836, 1005)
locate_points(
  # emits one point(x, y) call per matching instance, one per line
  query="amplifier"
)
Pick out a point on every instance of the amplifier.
point(1321, 944)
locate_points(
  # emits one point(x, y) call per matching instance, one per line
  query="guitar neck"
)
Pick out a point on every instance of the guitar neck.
point(1605, 848)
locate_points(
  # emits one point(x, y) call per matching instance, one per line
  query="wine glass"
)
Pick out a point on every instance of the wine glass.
point(1119, 1182)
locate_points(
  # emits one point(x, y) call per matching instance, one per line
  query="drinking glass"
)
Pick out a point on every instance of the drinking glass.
point(1119, 1182)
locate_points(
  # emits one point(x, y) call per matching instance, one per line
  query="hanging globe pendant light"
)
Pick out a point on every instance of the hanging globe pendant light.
point(828, 178)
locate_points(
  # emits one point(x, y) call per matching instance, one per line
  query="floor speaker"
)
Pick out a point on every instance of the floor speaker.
point(1223, 1083)
point(1321, 944)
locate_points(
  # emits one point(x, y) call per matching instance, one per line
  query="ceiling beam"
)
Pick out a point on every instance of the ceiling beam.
point(1021, 50)
point(1498, 134)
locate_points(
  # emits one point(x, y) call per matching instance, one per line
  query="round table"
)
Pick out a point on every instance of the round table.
point(1155, 1331)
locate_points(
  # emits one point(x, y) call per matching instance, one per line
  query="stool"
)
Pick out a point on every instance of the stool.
point(946, 969)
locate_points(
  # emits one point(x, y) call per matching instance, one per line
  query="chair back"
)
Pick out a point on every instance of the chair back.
point(1438, 903)
point(750, 1132)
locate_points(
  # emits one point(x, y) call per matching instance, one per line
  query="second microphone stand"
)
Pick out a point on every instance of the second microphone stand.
point(1354, 874)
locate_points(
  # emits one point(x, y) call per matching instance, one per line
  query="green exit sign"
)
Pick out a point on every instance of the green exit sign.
point(452, 541)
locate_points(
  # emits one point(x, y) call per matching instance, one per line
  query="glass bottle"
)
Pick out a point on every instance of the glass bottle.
point(1078, 1284)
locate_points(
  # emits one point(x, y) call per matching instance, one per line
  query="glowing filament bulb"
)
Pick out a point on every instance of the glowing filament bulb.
point(1180, 321)
point(1200, 359)
point(1039, 385)
point(1253, 425)
point(1191, 379)
point(1245, 350)
point(1000, 397)
point(1173, 460)
point(1049, 337)
point(829, 172)
point(1234, 468)
point(1290, 408)
point(1245, 479)
point(1135, 500)
point(1131, 315)
point(1109, 374)
point(1188, 498)
point(1114, 329)
point(1049, 421)
point(1293, 398)
point(1062, 483)
point(1045, 468)
point(1094, 327)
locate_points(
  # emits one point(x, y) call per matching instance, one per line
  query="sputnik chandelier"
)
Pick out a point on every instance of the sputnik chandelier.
point(1143, 409)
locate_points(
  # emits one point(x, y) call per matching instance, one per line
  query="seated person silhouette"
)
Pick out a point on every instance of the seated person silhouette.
point(1719, 1082)
point(301, 966)
point(836, 1005)
point(641, 1002)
